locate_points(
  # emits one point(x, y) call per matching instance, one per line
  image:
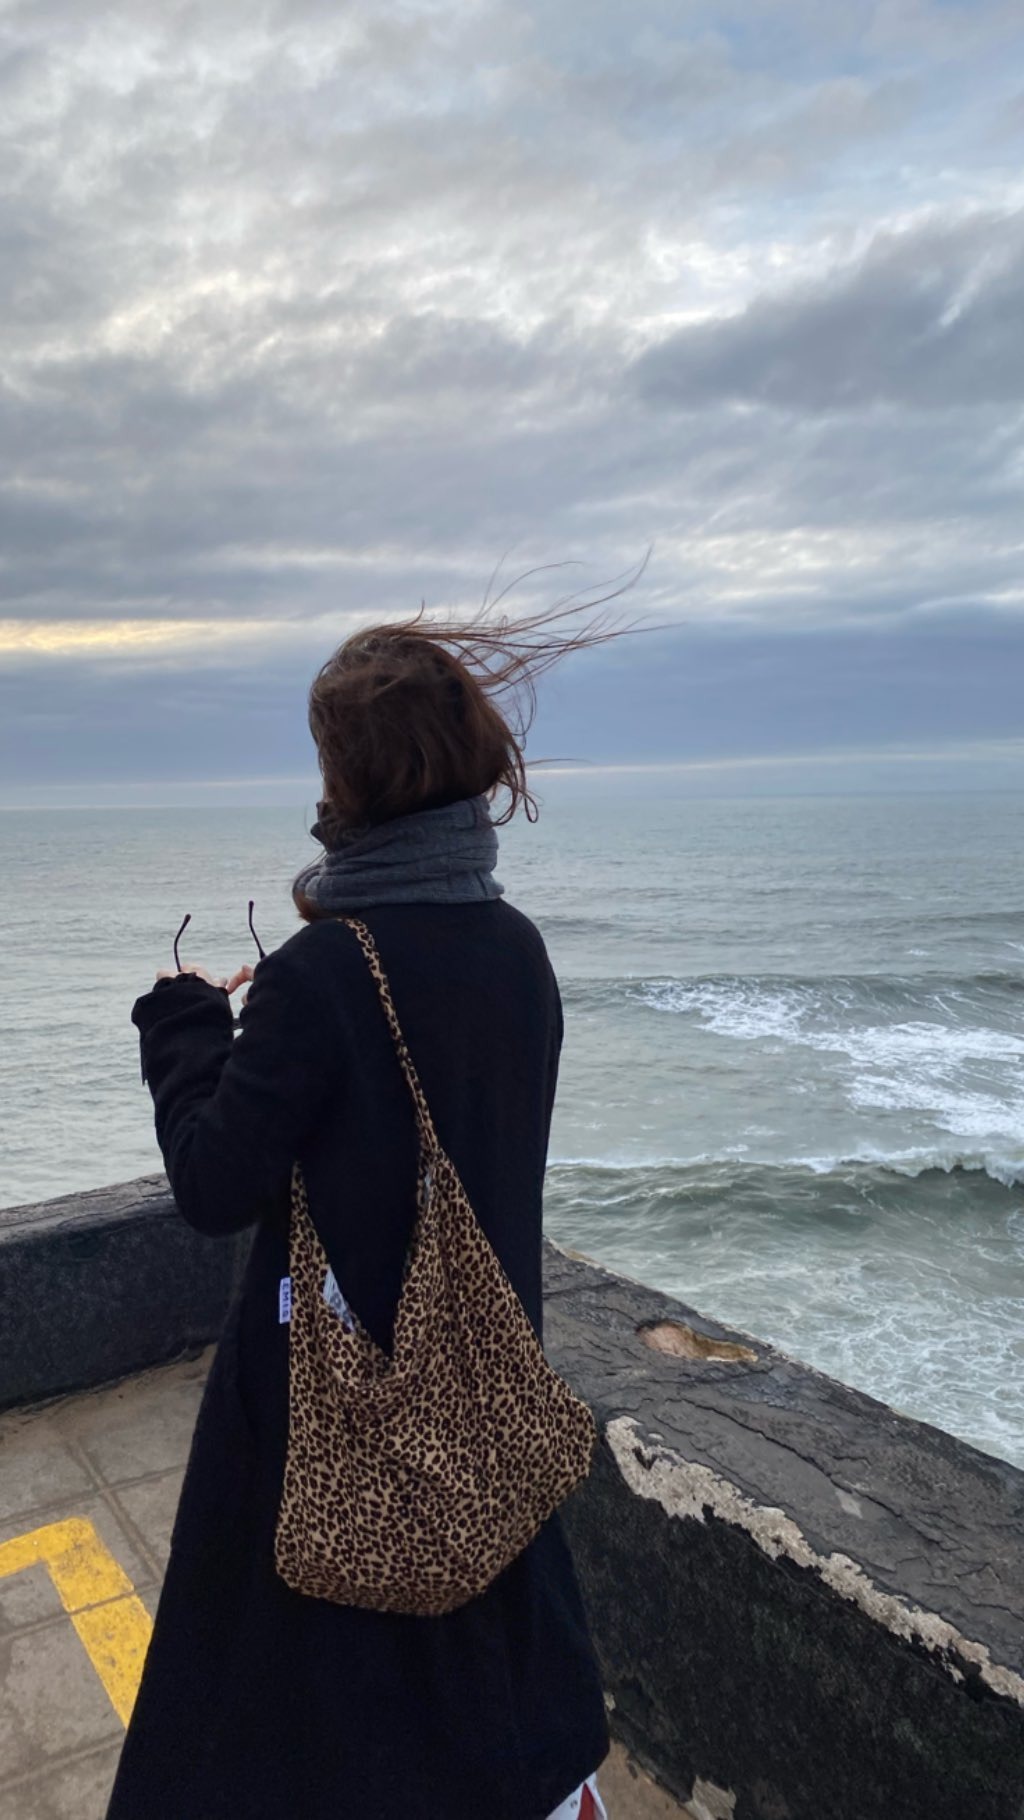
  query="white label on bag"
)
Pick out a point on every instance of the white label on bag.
point(284, 1301)
point(337, 1303)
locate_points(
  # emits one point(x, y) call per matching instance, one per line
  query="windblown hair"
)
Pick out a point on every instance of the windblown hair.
point(424, 712)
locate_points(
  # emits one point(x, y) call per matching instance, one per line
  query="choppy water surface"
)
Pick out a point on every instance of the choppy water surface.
point(792, 1089)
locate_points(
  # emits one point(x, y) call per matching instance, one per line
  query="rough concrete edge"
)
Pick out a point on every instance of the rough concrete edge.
point(762, 1347)
point(60, 1391)
point(769, 1353)
point(687, 1490)
point(766, 1350)
point(13, 1414)
point(87, 1210)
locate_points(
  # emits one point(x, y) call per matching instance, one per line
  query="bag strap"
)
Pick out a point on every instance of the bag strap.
point(429, 1145)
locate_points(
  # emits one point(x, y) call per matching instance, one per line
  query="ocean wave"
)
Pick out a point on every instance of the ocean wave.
point(846, 991)
point(1006, 1169)
point(969, 919)
point(941, 1021)
point(940, 1055)
point(562, 922)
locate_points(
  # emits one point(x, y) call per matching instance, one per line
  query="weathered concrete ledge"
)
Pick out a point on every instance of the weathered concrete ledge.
point(94, 1286)
point(807, 1607)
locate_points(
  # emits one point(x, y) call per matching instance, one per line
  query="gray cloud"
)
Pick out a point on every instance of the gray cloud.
point(312, 311)
point(929, 319)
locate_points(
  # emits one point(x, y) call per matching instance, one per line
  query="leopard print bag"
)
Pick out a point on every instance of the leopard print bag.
point(410, 1482)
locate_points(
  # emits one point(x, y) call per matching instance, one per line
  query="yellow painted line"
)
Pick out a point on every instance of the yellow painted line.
point(81, 1568)
point(94, 1589)
point(116, 1638)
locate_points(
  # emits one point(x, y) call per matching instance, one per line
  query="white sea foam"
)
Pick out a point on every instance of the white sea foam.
point(751, 1009)
point(953, 1109)
point(934, 1043)
point(949, 1068)
point(1003, 1166)
point(739, 1008)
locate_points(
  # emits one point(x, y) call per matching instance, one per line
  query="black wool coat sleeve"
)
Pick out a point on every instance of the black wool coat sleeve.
point(233, 1113)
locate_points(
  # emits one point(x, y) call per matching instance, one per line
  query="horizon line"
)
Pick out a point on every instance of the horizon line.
point(153, 793)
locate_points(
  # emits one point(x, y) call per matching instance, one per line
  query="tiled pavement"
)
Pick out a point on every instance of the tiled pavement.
point(113, 1458)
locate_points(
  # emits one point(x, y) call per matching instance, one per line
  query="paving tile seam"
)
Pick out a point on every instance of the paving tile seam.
point(126, 1483)
point(55, 1618)
point(108, 1495)
point(104, 1495)
point(61, 1760)
point(81, 1457)
point(56, 1509)
point(60, 1617)
point(36, 1515)
point(98, 1484)
point(134, 1534)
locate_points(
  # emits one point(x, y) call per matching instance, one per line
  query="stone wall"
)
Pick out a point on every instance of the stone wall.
point(94, 1286)
point(807, 1607)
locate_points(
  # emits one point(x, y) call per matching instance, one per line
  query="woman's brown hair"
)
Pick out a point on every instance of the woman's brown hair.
point(424, 712)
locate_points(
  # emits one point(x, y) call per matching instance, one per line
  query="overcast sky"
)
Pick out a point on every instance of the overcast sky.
point(313, 310)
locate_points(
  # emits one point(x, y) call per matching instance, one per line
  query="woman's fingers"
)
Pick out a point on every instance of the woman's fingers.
point(170, 973)
point(238, 978)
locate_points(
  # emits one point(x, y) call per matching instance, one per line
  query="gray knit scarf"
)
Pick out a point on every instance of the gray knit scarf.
point(438, 856)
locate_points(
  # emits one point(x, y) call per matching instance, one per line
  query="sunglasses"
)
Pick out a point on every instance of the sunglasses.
point(188, 918)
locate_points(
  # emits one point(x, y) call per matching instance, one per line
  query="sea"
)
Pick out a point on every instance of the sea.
point(791, 1092)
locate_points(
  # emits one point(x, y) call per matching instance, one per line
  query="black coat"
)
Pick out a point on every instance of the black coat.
point(258, 1703)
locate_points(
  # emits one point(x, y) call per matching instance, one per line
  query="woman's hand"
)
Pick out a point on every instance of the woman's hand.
point(238, 978)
